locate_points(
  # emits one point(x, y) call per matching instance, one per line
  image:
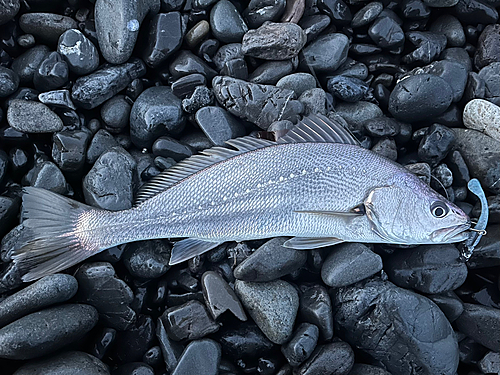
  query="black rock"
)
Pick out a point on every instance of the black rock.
point(270, 72)
point(337, 10)
point(134, 368)
point(272, 305)
point(274, 41)
point(46, 27)
point(386, 33)
point(419, 98)
point(428, 46)
point(43, 332)
point(301, 345)
point(244, 341)
point(459, 55)
point(450, 304)
point(171, 350)
point(377, 317)
point(32, 117)
point(188, 321)
point(117, 26)
point(362, 369)
point(382, 127)
point(9, 208)
point(451, 28)
point(479, 323)
point(19, 162)
point(58, 99)
point(9, 82)
point(349, 263)
point(219, 297)
point(437, 141)
point(131, 345)
point(475, 87)
point(147, 259)
point(171, 148)
point(415, 10)
point(115, 113)
point(153, 357)
point(348, 89)
point(473, 12)
point(186, 63)
point(386, 147)
point(492, 85)
point(186, 85)
point(166, 32)
point(27, 64)
point(265, 105)
point(8, 10)
point(69, 149)
point(488, 47)
point(94, 89)
point(321, 360)
point(218, 125)
point(100, 143)
point(201, 97)
point(226, 53)
point(367, 14)
point(157, 111)
point(356, 114)
point(47, 175)
point(490, 363)
point(226, 23)
point(78, 51)
point(199, 357)
point(108, 184)
point(73, 362)
point(326, 53)
point(197, 33)
point(297, 82)
point(260, 11)
point(103, 341)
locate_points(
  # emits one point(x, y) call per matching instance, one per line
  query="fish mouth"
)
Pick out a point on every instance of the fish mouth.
point(456, 233)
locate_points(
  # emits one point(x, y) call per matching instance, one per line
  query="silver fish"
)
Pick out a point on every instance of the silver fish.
point(315, 184)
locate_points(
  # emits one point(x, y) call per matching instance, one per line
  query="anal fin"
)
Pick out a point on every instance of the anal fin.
point(189, 248)
point(307, 243)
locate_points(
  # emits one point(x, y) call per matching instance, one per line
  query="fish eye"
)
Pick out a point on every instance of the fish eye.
point(439, 209)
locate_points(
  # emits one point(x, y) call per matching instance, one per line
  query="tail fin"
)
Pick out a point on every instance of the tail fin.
point(49, 241)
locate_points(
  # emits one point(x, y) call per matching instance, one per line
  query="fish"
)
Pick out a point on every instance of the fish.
point(315, 184)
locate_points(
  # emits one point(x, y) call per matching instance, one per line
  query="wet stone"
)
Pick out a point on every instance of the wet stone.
point(459, 55)
point(103, 341)
point(451, 28)
point(201, 97)
point(270, 72)
point(189, 321)
point(489, 75)
point(297, 82)
point(153, 357)
point(386, 33)
point(349, 263)
point(157, 111)
point(69, 149)
point(52, 73)
point(362, 369)
point(46, 27)
point(8, 10)
point(199, 357)
point(352, 68)
point(94, 89)
point(478, 322)
point(420, 97)
point(115, 113)
point(171, 148)
point(326, 53)
point(47, 175)
point(301, 345)
point(117, 26)
point(186, 63)
point(313, 101)
point(260, 11)
point(171, 350)
point(78, 51)
point(348, 89)
point(45, 331)
point(101, 142)
point(382, 127)
point(443, 175)
point(108, 184)
point(437, 141)
point(272, 305)
point(356, 114)
point(475, 12)
point(147, 259)
point(32, 117)
point(449, 304)
point(428, 46)
point(321, 360)
point(488, 47)
point(270, 262)
point(197, 33)
point(483, 116)
point(388, 314)
point(337, 10)
point(226, 23)
point(131, 344)
point(57, 98)
point(274, 41)
point(314, 25)
point(367, 14)
point(387, 148)
point(219, 297)
point(244, 341)
point(9, 82)
point(218, 125)
point(475, 87)
point(265, 105)
point(166, 32)
point(72, 362)
point(26, 64)
point(490, 363)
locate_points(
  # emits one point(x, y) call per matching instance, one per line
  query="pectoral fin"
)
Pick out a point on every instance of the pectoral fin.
point(189, 248)
point(356, 211)
point(307, 243)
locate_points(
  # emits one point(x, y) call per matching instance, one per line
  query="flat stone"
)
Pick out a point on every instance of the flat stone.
point(483, 116)
point(219, 297)
point(297, 82)
point(437, 141)
point(45, 331)
point(32, 117)
point(270, 72)
point(78, 51)
point(479, 323)
point(349, 263)
point(57, 98)
point(52, 73)
point(321, 360)
point(166, 32)
point(199, 357)
point(272, 305)
point(226, 23)
point(326, 53)
point(218, 125)
point(301, 345)
point(46, 27)
point(316, 308)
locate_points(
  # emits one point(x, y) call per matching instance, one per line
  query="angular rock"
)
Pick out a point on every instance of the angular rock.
point(260, 11)
point(488, 47)
point(272, 305)
point(186, 63)
point(348, 89)
point(155, 112)
point(302, 344)
point(26, 64)
point(199, 357)
point(349, 263)
point(69, 148)
point(313, 25)
point(78, 51)
point(201, 97)
point(218, 125)
point(226, 23)
point(166, 32)
point(147, 259)
point(437, 141)
point(47, 175)
point(57, 98)
point(367, 14)
point(171, 148)
point(8, 10)
point(428, 46)
point(52, 73)
point(481, 323)
point(483, 116)
point(9, 82)
point(362, 369)
point(386, 33)
point(100, 143)
point(219, 297)
point(274, 41)
point(337, 10)
point(326, 53)
point(245, 340)
point(94, 89)
point(32, 117)
point(336, 358)
point(45, 331)
point(171, 350)
point(451, 27)
point(356, 114)
point(270, 262)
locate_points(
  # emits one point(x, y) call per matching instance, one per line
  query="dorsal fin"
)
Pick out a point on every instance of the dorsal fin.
point(320, 129)
point(196, 163)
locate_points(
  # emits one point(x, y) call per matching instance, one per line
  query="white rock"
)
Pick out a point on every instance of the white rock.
point(483, 116)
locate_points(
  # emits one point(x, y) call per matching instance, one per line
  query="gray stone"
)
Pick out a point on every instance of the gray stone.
point(69, 149)
point(270, 262)
point(45, 331)
point(489, 75)
point(336, 358)
point(270, 72)
point(46, 27)
point(201, 97)
point(297, 82)
point(387, 148)
point(199, 357)
point(32, 117)
point(301, 345)
point(274, 41)
point(226, 23)
point(9, 82)
point(488, 47)
point(362, 369)
point(166, 32)
point(367, 14)
point(101, 142)
point(356, 114)
point(314, 101)
point(316, 308)
point(78, 51)
point(75, 363)
point(260, 11)
point(481, 323)
point(219, 297)
point(272, 305)
point(218, 125)
point(156, 112)
point(490, 363)
point(349, 263)
point(47, 291)
point(8, 9)
point(27, 64)
point(451, 27)
point(47, 175)
point(115, 113)
point(147, 259)
point(326, 53)
point(483, 116)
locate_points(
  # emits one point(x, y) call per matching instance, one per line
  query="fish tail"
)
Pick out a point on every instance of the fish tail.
point(52, 235)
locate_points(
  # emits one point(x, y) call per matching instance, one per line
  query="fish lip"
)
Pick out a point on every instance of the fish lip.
point(456, 233)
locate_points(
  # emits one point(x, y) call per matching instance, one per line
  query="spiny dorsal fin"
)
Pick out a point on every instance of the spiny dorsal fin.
point(196, 163)
point(320, 129)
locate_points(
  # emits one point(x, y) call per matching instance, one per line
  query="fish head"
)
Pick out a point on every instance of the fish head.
point(407, 211)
